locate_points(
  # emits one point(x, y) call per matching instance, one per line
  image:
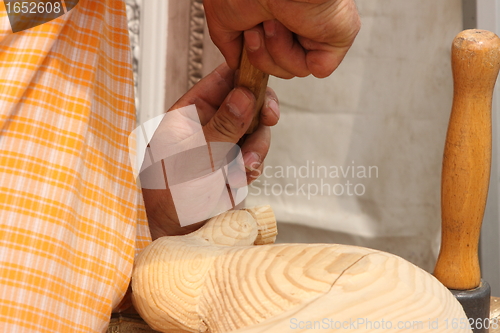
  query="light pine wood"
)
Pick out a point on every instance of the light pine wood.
point(216, 280)
point(266, 222)
point(467, 157)
point(255, 80)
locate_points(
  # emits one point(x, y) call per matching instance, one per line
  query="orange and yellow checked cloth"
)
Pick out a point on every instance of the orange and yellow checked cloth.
point(71, 217)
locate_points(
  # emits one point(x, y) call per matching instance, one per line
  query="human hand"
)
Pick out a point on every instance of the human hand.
point(225, 114)
point(284, 38)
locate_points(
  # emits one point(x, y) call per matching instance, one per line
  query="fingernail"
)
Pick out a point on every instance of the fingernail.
point(273, 105)
point(252, 160)
point(270, 28)
point(238, 101)
point(252, 40)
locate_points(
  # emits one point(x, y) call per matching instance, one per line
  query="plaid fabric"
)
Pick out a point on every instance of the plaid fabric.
point(71, 217)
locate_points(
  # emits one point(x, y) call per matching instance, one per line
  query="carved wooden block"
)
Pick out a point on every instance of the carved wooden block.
point(216, 280)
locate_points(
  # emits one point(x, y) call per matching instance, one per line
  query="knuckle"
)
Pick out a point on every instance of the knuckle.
point(223, 125)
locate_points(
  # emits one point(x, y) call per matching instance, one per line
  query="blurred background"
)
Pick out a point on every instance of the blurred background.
point(356, 157)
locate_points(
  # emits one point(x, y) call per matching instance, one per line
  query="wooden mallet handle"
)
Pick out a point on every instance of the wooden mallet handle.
point(467, 157)
point(255, 80)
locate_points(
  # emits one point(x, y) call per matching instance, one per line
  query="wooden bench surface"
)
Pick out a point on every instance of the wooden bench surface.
point(495, 313)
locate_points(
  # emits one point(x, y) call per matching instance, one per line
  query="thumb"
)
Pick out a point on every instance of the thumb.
point(232, 119)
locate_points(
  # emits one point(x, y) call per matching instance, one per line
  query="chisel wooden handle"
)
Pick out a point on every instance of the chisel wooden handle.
point(255, 80)
point(467, 157)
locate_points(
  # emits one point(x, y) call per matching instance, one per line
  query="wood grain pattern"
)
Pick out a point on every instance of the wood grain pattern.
point(216, 280)
point(255, 80)
point(266, 222)
point(467, 157)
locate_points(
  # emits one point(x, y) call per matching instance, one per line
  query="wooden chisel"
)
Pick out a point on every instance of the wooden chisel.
point(255, 80)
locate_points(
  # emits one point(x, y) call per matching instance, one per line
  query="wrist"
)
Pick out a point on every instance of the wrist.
point(162, 217)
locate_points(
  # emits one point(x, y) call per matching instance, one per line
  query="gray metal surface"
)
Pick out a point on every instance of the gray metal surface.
point(476, 304)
